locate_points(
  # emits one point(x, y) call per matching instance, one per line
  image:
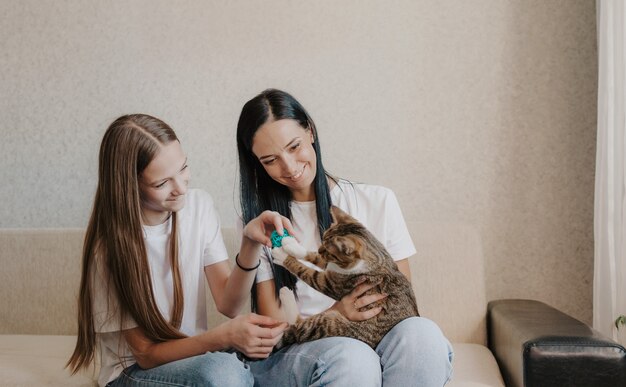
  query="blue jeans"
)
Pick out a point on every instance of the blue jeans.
point(413, 353)
point(211, 369)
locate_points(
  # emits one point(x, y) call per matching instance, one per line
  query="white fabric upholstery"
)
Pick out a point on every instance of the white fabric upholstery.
point(447, 274)
point(38, 360)
point(474, 366)
point(41, 273)
point(39, 280)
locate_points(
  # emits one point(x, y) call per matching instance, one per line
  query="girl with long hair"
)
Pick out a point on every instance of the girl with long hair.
point(281, 170)
point(150, 244)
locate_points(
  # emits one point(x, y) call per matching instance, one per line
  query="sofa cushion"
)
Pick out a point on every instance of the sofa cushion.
point(40, 277)
point(474, 366)
point(38, 360)
point(41, 274)
point(447, 274)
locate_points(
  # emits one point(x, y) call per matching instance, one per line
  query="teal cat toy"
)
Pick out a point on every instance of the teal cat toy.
point(277, 240)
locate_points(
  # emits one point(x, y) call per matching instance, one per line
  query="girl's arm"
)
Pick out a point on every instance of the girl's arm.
point(251, 334)
point(231, 289)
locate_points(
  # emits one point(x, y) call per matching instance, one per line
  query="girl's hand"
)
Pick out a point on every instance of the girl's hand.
point(350, 305)
point(260, 228)
point(253, 335)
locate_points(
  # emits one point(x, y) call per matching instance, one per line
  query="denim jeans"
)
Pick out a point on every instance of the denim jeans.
point(211, 369)
point(413, 353)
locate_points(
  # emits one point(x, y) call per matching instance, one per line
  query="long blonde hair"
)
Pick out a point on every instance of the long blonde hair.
point(114, 234)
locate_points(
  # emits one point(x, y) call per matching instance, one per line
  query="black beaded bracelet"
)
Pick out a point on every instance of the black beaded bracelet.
point(245, 268)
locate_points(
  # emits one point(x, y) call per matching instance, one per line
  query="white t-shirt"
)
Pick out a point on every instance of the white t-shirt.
point(200, 244)
point(375, 207)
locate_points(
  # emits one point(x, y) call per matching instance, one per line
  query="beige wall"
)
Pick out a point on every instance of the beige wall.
point(481, 112)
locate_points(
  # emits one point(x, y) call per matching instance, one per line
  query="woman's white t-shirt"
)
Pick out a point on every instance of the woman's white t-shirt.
point(375, 207)
point(200, 244)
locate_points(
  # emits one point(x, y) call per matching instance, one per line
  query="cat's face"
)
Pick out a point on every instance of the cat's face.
point(341, 244)
point(344, 251)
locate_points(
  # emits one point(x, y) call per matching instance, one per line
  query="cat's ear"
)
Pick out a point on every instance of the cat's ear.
point(339, 216)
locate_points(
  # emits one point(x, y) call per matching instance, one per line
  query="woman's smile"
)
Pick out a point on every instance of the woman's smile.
point(296, 176)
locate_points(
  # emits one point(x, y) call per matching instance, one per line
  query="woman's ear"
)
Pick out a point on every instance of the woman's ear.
point(312, 136)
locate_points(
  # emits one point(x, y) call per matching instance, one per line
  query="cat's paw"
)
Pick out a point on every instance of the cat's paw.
point(293, 248)
point(287, 339)
point(288, 305)
point(279, 255)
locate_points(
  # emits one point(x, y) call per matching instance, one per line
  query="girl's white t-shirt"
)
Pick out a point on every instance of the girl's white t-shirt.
point(200, 244)
point(375, 207)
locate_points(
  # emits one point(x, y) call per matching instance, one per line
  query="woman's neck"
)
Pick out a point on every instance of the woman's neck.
point(303, 196)
point(309, 194)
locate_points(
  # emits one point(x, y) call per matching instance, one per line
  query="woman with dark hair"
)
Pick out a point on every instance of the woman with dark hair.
point(151, 244)
point(281, 170)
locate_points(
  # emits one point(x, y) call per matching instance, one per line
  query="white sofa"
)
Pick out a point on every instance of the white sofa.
point(40, 273)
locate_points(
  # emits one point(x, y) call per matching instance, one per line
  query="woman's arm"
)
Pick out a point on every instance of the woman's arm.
point(350, 305)
point(251, 334)
point(403, 266)
point(267, 303)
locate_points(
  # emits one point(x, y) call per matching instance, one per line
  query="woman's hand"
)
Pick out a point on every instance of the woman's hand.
point(351, 304)
point(260, 228)
point(253, 335)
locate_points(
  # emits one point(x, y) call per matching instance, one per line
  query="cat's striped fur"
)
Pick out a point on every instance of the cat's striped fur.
point(349, 253)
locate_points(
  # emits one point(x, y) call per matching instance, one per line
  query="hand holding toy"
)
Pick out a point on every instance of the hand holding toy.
point(277, 239)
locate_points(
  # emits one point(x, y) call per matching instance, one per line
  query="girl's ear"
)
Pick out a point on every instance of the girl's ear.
point(311, 135)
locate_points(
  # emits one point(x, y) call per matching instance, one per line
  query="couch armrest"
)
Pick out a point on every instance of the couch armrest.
point(537, 345)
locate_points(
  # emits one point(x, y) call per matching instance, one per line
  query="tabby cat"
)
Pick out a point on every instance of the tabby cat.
point(349, 253)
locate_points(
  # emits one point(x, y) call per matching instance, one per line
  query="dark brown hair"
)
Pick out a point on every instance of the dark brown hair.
point(258, 191)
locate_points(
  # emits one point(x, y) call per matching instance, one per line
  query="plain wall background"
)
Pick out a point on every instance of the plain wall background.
point(480, 112)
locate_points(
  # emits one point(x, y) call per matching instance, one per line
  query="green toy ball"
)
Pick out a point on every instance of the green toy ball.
point(277, 239)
